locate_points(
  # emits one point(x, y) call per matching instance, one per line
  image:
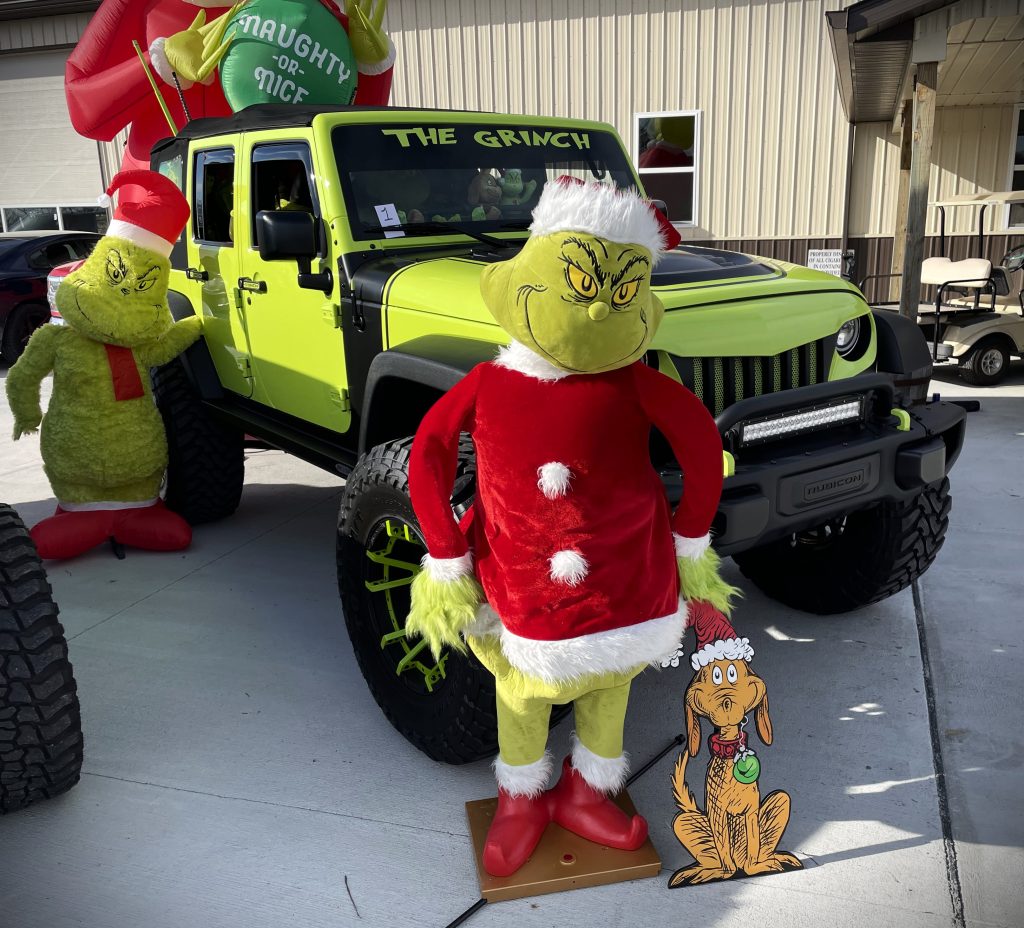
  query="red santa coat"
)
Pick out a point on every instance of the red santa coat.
point(581, 570)
point(107, 88)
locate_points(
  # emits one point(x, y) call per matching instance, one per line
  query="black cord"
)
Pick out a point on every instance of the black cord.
point(469, 913)
point(181, 97)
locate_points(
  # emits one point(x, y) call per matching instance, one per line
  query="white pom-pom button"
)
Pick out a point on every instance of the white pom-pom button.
point(553, 479)
point(569, 567)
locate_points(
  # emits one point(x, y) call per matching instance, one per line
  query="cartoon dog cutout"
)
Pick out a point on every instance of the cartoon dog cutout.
point(739, 833)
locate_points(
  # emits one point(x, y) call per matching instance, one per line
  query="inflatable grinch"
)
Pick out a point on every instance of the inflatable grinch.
point(570, 574)
point(103, 443)
point(223, 58)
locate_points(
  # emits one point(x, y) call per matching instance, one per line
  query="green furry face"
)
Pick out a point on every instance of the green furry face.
point(582, 302)
point(119, 295)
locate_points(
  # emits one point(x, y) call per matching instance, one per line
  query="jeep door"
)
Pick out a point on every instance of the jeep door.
point(297, 347)
point(213, 260)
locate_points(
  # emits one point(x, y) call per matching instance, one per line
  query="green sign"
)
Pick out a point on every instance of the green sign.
point(287, 51)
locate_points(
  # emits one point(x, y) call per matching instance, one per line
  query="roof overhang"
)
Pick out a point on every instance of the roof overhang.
point(873, 43)
point(30, 9)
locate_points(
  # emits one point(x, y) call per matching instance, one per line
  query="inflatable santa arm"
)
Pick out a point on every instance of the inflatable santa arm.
point(104, 81)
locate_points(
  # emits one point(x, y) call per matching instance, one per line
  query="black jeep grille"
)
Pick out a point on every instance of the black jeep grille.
point(720, 382)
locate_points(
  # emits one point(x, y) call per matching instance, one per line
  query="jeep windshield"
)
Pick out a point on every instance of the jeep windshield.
point(405, 180)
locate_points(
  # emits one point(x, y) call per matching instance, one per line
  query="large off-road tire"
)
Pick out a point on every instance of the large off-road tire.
point(861, 559)
point(21, 323)
point(206, 459)
point(454, 720)
point(40, 722)
point(988, 362)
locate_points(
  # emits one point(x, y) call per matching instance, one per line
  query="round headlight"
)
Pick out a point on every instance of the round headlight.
point(849, 333)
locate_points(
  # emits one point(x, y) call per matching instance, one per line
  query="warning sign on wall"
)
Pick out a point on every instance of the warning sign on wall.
point(829, 260)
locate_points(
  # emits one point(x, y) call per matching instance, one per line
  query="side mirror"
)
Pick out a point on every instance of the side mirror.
point(286, 235)
point(661, 206)
point(291, 235)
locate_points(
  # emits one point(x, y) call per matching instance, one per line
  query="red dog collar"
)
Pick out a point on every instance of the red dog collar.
point(727, 750)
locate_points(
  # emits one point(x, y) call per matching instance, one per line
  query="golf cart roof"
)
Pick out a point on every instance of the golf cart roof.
point(976, 199)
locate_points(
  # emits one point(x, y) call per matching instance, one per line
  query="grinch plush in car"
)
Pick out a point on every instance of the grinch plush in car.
point(569, 574)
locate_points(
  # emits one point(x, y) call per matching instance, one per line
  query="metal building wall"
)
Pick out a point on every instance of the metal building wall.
point(42, 32)
point(774, 138)
point(970, 154)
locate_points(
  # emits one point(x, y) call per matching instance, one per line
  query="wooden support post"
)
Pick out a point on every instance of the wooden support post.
point(917, 200)
point(899, 239)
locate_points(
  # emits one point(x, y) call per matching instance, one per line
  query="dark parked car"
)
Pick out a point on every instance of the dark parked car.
point(25, 260)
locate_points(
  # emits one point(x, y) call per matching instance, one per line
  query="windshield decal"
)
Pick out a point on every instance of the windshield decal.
point(490, 138)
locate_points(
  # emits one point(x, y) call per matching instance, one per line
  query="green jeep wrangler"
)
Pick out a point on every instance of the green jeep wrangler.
point(334, 255)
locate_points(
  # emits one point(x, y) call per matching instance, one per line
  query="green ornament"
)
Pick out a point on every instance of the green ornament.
point(747, 769)
point(287, 51)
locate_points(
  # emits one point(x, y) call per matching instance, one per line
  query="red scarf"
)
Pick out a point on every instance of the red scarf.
point(125, 373)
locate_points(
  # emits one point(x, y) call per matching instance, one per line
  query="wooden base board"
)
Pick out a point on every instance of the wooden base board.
point(562, 860)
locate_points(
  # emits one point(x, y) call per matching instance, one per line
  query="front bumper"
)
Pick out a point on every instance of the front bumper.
point(799, 483)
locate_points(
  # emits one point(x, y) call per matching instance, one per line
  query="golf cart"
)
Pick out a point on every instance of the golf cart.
point(977, 317)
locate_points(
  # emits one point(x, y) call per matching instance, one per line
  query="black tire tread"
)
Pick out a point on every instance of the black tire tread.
point(882, 551)
point(206, 460)
point(968, 367)
point(41, 741)
point(470, 734)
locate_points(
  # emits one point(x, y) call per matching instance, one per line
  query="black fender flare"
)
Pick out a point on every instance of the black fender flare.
point(433, 362)
point(196, 359)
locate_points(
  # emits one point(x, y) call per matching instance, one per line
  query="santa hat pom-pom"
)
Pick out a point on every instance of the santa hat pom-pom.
point(104, 200)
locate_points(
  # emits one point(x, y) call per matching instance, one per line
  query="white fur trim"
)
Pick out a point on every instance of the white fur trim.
point(517, 357)
point(618, 215)
point(139, 236)
point(158, 58)
point(106, 505)
point(569, 567)
point(104, 200)
point(605, 774)
point(523, 779)
point(378, 67)
point(553, 479)
point(615, 651)
point(727, 649)
point(448, 568)
point(692, 548)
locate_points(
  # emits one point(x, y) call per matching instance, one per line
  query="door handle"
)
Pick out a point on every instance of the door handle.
point(196, 273)
point(253, 286)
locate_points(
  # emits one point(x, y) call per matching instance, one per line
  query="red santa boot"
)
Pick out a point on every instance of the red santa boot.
point(152, 528)
point(521, 816)
point(589, 812)
point(69, 534)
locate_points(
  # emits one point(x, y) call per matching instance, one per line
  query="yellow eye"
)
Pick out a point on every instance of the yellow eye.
point(581, 282)
point(147, 282)
point(115, 269)
point(625, 292)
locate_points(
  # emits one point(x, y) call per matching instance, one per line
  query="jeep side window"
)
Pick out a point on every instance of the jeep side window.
point(213, 196)
point(281, 180)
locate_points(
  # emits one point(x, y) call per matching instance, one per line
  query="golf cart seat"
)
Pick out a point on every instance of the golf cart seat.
point(1004, 298)
point(969, 274)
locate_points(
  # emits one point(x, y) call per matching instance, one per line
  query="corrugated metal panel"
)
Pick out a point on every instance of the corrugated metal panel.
point(42, 32)
point(970, 154)
point(774, 134)
point(45, 162)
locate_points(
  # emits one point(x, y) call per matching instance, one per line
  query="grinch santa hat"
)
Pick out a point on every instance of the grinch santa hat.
point(156, 220)
point(612, 213)
point(716, 638)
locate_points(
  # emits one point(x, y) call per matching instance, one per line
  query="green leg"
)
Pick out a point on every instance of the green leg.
point(597, 748)
point(523, 767)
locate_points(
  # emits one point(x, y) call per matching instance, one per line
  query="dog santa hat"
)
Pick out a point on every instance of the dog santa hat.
point(156, 220)
point(617, 215)
point(716, 638)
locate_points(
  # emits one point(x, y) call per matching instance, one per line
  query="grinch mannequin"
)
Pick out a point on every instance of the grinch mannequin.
point(103, 444)
point(571, 574)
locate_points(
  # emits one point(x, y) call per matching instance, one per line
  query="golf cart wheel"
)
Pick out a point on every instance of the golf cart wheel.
point(445, 707)
point(854, 561)
point(21, 323)
point(987, 363)
point(205, 459)
point(40, 722)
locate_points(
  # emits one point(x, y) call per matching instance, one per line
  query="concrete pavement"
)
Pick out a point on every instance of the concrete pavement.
point(238, 773)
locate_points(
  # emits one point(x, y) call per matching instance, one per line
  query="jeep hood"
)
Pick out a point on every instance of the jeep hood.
point(719, 303)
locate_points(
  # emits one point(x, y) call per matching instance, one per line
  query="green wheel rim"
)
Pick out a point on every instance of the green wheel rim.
point(393, 554)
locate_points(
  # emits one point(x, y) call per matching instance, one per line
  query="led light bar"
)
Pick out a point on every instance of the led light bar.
point(837, 412)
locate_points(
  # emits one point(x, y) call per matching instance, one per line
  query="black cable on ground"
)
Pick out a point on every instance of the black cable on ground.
point(956, 897)
point(674, 743)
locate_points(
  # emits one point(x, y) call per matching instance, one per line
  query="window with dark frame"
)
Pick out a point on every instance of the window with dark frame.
point(1015, 214)
point(668, 160)
point(281, 180)
point(213, 196)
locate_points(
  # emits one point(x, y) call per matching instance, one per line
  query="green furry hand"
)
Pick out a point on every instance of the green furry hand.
point(699, 579)
point(27, 426)
point(442, 609)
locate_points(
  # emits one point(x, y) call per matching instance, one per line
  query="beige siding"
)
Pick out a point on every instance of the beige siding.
point(773, 133)
point(971, 153)
point(41, 32)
